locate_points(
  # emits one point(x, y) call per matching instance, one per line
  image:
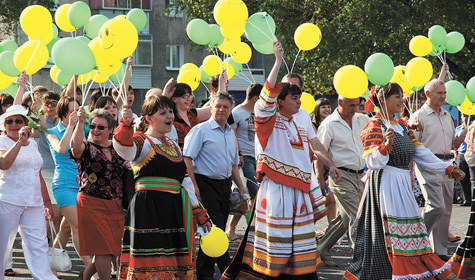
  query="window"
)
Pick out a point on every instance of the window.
point(113, 13)
point(257, 60)
point(172, 11)
point(143, 55)
point(123, 4)
point(174, 57)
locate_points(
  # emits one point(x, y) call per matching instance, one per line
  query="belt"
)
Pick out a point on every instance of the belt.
point(351, 170)
point(445, 157)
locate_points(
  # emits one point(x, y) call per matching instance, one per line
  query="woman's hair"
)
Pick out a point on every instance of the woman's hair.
point(406, 114)
point(102, 113)
point(50, 95)
point(381, 93)
point(96, 94)
point(181, 89)
point(5, 99)
point(316, 119)
point(150, 107)
point(62, 109)
point(39, 91)
point(288, 88)
point(103, 101)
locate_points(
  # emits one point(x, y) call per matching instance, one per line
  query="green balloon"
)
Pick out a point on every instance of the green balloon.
point(436, 50)
point(455, 42)
point(84, 39)
point(51, 44)
point(119, 75)
point(198, 31)
point(236, 66)
point(437, 35)
point(7, 65)
point(138, 18)
point(259, 28)
point(8, 45)
point(79, 14)
point(455, 93)
point(471, 89)
point(73, 56)
point(204, 77)
point(92, 27)
point(63, 77)
point(379, 68)
point(55, 31)
point(216, 38)
point(414, 89)
point(266, 48)
point(11, 89)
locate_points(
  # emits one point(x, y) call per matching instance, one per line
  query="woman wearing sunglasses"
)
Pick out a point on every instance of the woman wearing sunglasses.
point(99, 201)
point(65, 186)
point(21, 195)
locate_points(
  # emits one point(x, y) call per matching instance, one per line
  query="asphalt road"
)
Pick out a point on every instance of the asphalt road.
point(341, 253)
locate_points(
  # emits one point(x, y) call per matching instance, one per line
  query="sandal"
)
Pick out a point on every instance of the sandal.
point(9, 272)
point(454, 239)
point(234, 238)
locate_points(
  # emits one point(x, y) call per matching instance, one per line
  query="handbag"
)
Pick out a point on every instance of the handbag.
point(58, 257)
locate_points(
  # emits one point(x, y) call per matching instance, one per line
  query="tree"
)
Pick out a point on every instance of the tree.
point(352, 30)
point(10, 11)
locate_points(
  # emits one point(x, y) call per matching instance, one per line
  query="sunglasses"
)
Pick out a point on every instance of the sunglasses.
point(52, 103)
point(100, 127)
point(17, 121)
point(361, 106)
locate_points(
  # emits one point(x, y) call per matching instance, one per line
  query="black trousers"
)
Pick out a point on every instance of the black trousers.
point(214, 195)
point(468, 180)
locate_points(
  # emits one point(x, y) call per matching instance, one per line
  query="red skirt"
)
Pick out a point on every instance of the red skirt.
point(100, 225)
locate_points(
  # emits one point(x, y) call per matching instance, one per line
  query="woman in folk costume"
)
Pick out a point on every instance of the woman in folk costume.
point(391, 237)
point(280, 240)
point(158, 241)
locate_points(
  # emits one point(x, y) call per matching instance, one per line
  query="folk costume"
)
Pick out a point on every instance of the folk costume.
point(392, 240)
point(158, 241)
point(280, 239)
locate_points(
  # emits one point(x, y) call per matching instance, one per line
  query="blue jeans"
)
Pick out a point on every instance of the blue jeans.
point(249, 171)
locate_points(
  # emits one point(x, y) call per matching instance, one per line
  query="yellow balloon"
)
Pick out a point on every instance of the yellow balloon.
point(467, 107)
point(229, 70)
point(36, 20)
point(399, 77)
point(118, 37)
point(212, 65)
point(232, 33)
point(102, 58)
point(62, 20)
point(52, 73)
point(84, 78)
point(192, 67)
point(308, 102)
point(5, 81)
point(418, 71)
point(215, 244)
point(307, 36)
point(45, 39)
point(242, 54)
point(190, 78)
point(109, 70)
point(350, 81)
point(31, 56)
point(98, 77)
point(230, 13)
point(229, 46)
point(420, 45)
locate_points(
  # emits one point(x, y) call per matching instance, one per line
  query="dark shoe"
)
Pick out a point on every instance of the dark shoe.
point(445, 258)
point(329, 263)
point(9, 272)
point(466, 203)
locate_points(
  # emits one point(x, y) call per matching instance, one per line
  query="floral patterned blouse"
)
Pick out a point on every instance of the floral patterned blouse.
point(99, 177)
point(182, 128)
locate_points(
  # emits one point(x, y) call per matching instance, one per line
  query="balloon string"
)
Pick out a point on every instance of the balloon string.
point(257, 27)
point(270, 29)
point(286, 66)
point(293, 64)
point(111, 83)
point(469, 114)
point(386, 108)
point(87, 92)
point(243, 79)
point(250, 72)
point(206, 87)
point(124, 99)
point(34, 52)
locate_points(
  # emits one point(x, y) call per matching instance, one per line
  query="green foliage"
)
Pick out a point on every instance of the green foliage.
point(10, 11)
point(352, 30)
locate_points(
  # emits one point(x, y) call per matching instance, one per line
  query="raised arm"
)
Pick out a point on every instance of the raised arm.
point(7, 157)
point(61, 146)
point(77, 144)
point(279, 53)
point(71, 89)
point(443, 72)
point(21, 83)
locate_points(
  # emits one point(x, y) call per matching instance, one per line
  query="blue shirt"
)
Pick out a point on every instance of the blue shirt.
point(214, 151)
point(65, 170)
point(463, 147)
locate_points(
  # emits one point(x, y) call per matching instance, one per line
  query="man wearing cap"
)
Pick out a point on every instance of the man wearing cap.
point(340, 135)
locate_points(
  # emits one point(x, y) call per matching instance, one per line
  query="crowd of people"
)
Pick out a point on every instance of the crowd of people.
point(132, 192)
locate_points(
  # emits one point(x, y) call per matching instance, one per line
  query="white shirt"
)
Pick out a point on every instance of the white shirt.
point(343, 143)
point(20, 184)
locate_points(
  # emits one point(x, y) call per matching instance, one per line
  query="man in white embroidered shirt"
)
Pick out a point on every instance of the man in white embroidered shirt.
point(211, 156)
point(340, 135)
